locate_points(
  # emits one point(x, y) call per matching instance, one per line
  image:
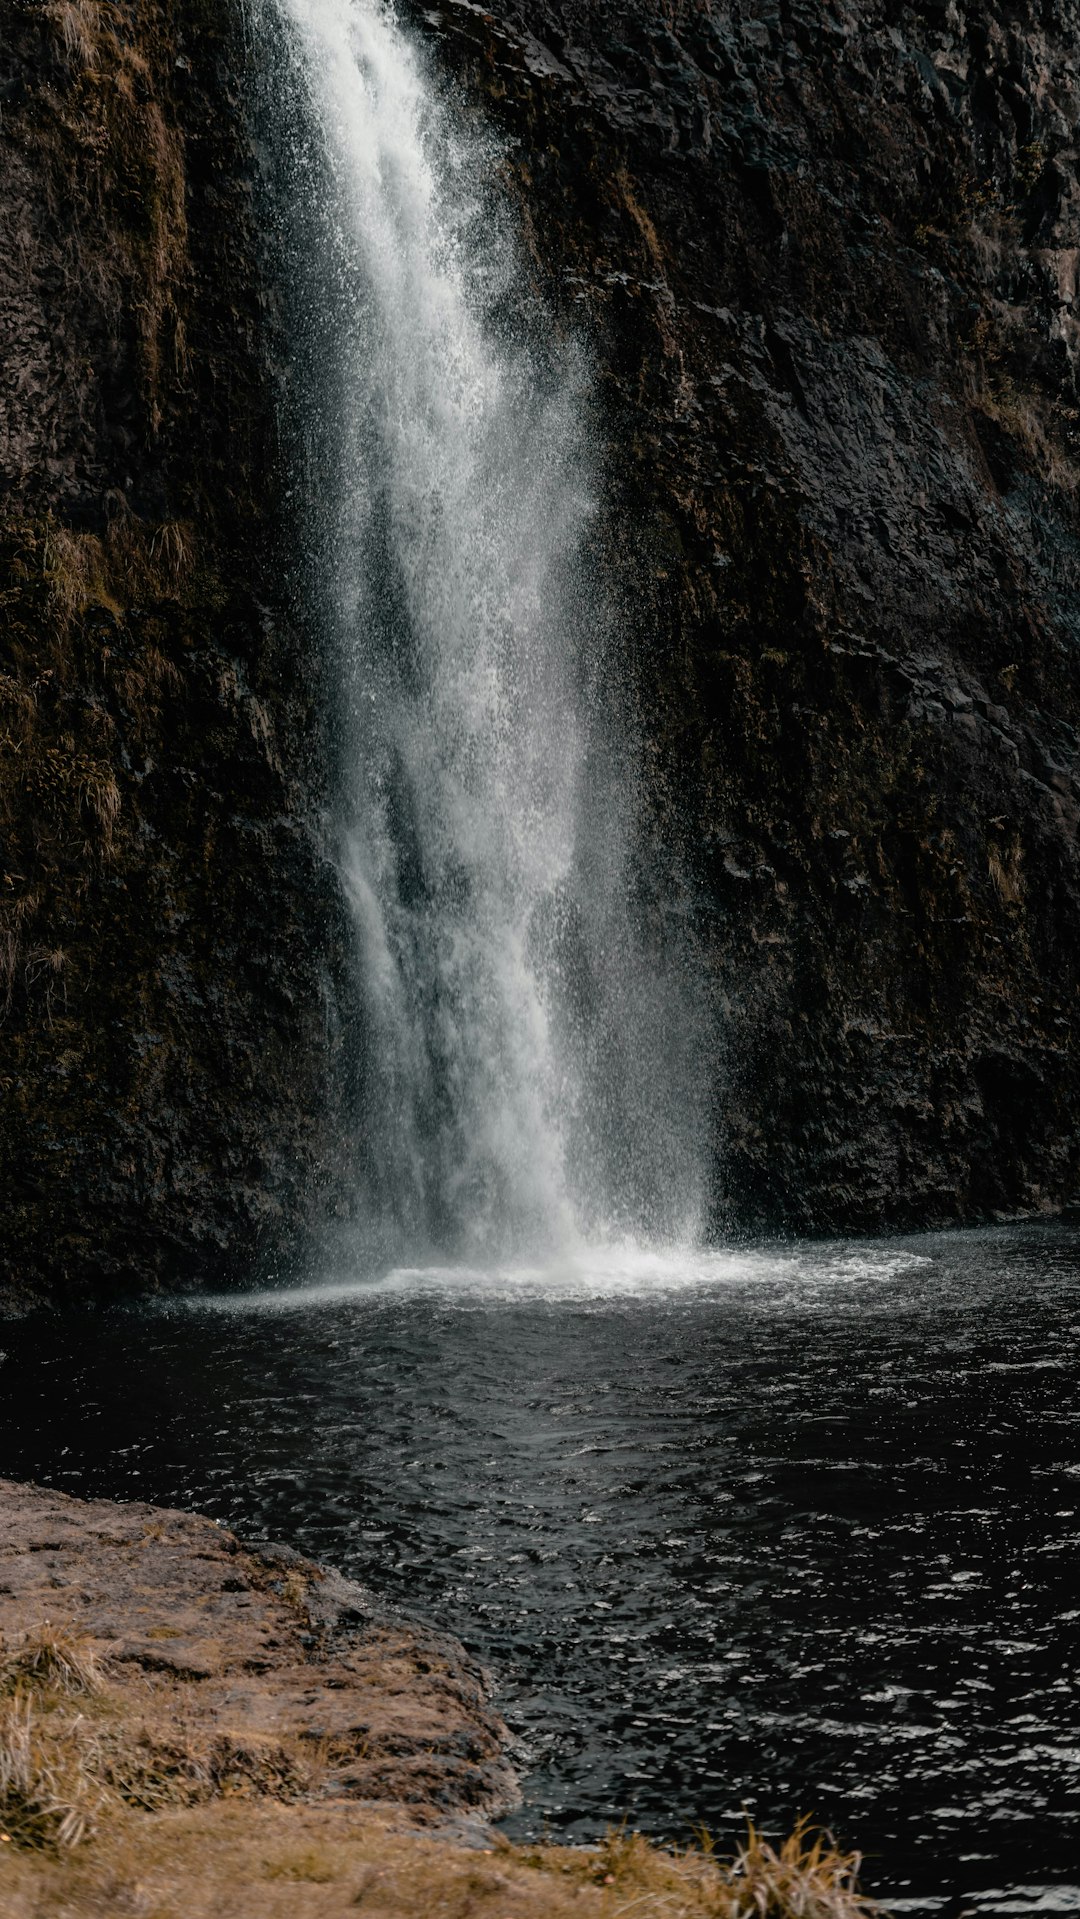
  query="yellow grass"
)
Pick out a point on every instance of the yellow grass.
point(267, 1861)
point(104, 1810)
point(48, 1798)
point(48, 1656)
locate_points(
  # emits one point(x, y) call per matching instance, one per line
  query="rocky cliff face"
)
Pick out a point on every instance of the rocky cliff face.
point(827, 256)
point(167, 931)
point(825, 259)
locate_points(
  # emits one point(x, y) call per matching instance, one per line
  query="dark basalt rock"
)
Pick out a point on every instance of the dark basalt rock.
point(826, 256)
point(825, 259)
point(170, 941)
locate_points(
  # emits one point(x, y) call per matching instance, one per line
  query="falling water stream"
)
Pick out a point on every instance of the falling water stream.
point(524, 1076)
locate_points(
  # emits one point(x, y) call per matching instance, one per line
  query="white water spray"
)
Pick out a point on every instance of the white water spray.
point(520, 1052)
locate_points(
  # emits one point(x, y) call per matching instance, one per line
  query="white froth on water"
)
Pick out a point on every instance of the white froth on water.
point(619, 1272)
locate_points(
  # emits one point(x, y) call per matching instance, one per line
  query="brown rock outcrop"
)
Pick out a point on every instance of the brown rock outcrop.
point(236, 1669)
point(191, 1729)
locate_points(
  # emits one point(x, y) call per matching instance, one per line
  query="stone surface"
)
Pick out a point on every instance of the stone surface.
point(170, 929)
point(254, 1662)
point(825, 259)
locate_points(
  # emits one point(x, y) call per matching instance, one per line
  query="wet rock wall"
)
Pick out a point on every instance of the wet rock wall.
point(826, 258)
point(169, 942)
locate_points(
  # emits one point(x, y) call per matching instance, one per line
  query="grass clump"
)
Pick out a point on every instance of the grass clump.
point(150, 1774)
point(49, 1798)
point(64, 1773)
point(50, 1788)
point(808, 1878)
point(49, 1656)
point(309, 1865)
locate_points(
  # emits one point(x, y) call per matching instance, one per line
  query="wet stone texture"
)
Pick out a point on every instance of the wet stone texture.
point(252, 1661)
point(825, 256)
point(170, 932)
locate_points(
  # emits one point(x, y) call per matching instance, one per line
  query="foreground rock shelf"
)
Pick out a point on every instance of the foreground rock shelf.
point(264, 1674)
point(192, 1727)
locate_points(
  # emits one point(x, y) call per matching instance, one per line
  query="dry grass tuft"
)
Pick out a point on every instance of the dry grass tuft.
point(121, 124)
point(101, 797)
point(17, 697)
point(49, 1656)
point(76, 568)
point(151, 1774)
point(247, 1771)
point(95, 612)
point(15, 951)
point(134, 561)
point(78, 24)
point(311, 1865)
point(63, 1772)
point(172, 549)
point(294, 1591)
point(48, 1795)
point(1004, 865)
point(69, 782)
point(807, 1879)
point(50, 1791)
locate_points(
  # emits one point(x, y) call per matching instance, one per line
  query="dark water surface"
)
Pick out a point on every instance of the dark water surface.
point(791, 1530)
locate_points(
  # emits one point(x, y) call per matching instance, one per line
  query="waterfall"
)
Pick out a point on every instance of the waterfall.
point(526, 1049)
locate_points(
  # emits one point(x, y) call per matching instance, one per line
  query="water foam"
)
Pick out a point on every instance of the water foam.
point(803, 1277)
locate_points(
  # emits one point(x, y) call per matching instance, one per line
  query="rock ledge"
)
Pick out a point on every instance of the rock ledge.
point(272, 1676)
